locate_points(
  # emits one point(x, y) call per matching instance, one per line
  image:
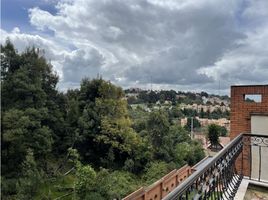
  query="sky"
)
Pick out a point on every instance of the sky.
point(190, 45)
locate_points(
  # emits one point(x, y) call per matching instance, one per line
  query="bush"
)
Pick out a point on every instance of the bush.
point(155, 171)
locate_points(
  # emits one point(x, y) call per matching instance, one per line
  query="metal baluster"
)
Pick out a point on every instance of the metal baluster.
point(250, 161)
point(259, 162)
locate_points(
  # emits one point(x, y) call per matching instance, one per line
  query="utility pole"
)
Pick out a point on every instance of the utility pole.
point(151, 83)
point(192, 127)
point(219, 90)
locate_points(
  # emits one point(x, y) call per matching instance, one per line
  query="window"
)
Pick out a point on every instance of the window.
point(253, 98)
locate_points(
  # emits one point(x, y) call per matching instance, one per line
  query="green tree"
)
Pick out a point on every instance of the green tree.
point(32, 110)
point(204, 94)
point(106, 136)
point(28, 79)
point(155, 170)
point(188, 153)
point(116, 184)
point(105, 184)
point(72, 116)
point(182, 151)
point(179, 134)
point(10, 60)
point(86, 180)
point(30, 179)
point(158, 129)
point(131, 100)
point(175, 112)
point(202, 114)
point(46, 133)
point(23, 130)
point(213, 134)
point(223, 131)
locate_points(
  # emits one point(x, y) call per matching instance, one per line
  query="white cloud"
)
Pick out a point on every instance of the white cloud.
point(246, 64)
point(180, 44)
point(71, 65)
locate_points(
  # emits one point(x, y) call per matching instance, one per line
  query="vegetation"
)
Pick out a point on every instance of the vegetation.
point(196, 124)
point(172, 102)
point(82, 144)
point(148, 96)
point(213, 134)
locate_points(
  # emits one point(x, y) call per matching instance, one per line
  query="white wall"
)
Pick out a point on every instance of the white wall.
point(259, 125)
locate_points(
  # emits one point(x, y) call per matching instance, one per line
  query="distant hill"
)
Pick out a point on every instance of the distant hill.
point(137, 95)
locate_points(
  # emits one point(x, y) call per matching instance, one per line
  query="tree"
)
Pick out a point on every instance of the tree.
point(175, 112)
point(213, 134)
point(29, 77)
point(202, 113)
point(153, 97)
point(105, 133)
point(196, 154)
point(188, 152)
point(104, 184)
point(157, 129)
point(30, 179)
point(48, 135)
point(182, 151)
point(204, 94)
point(23, 130)
point(116, 184)
point(131, 100)
point(32, 110)
point(179, 134)
point(86, 179)
point(10, 60)
point(209, 103)
point(155, 170)
point(70, 135)
point(223, 131)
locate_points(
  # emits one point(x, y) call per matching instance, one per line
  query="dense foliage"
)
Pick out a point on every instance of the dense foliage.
point(82, 144)
point(213, 134)
point(150, 96)
point(174, 100)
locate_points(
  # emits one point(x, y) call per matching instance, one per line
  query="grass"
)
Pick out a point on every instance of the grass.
point(56, 187)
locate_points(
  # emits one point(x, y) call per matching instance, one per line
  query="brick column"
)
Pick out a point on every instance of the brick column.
point(241, 112)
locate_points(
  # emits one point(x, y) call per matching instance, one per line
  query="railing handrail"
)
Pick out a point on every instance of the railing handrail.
point(192, 178)
point(254, 135)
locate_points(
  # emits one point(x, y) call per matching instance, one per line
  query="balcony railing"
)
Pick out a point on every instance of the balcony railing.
point(221, 177)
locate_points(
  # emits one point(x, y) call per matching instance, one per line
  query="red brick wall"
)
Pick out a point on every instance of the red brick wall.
point(162, 187)
point(241, 111)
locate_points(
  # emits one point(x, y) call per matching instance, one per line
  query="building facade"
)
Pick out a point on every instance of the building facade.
point(251, 116)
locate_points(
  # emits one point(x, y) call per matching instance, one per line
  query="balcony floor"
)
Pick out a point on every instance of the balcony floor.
point(252, 190)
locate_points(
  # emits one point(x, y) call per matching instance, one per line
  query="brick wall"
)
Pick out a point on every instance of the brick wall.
point(162, 187)
point(241, 112)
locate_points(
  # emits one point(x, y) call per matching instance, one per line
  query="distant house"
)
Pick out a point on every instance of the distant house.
point(206, 145)
point(205, 122)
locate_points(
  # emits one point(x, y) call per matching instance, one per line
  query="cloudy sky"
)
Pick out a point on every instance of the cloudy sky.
point(173, 44)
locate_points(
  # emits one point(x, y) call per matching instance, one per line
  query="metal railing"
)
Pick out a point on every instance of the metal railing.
point(221, 177)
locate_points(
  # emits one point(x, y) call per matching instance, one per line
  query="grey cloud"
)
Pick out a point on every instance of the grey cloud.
point(171, 43)
point(81, 63)
point(21, 40)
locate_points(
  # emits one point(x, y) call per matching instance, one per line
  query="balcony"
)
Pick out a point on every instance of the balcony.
point(244, 160)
